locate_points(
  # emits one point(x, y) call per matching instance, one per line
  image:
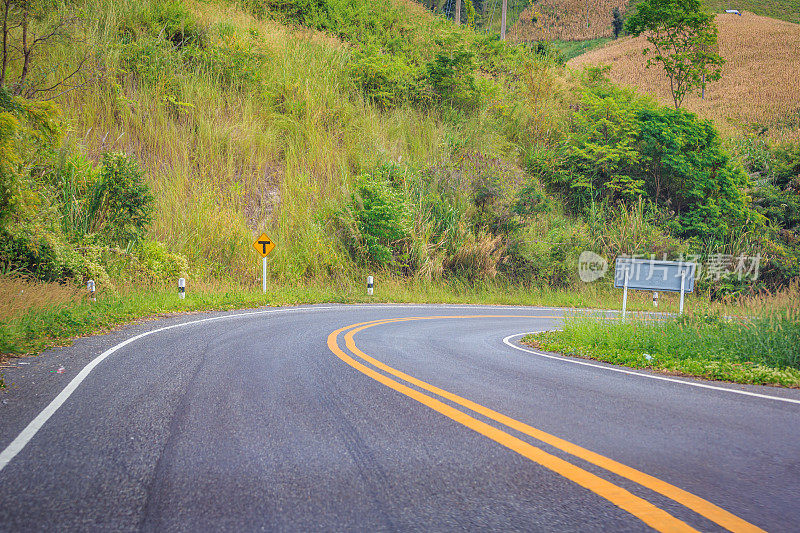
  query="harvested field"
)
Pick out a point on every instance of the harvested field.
point(759, 86)
point(566, 20)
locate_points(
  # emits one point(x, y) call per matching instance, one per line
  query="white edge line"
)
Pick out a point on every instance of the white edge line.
point(36, 424)
point(507, 341)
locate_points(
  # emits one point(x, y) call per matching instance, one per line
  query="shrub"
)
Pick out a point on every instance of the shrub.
point(621, 148)
point(387, 80)
point(120, 204)
point(380, 215)
point(452, 79)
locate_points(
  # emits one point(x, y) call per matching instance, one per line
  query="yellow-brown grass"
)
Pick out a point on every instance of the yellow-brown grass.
point(759, 82)
point(18, 295)
point(566, 20)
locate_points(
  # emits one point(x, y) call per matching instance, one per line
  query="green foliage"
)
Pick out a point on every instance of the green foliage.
point(387, 79)
point(600, 157)
point(396, 59)
point(685, 42)
point(175, 22)
point(149, 57)
point(380, 216)
point(622, 147)
point(617, 21)
point(566, 50)
point(120, 204)
point(549, 50)
point(760, 350)
point(452, 80)
point(691, 175)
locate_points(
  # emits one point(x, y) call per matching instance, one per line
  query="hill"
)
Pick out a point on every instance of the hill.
point(758, 89)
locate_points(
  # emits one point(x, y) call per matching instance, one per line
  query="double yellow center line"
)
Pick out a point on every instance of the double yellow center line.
point(648, 513)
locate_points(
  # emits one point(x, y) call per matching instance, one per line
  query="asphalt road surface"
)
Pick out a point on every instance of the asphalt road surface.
point(381, 418)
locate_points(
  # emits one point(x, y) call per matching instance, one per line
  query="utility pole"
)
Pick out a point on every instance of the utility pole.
point(458, 11)
point(503, 20)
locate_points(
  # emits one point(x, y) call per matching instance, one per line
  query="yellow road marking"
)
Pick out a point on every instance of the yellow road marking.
point(697, 504)
point(642, 509)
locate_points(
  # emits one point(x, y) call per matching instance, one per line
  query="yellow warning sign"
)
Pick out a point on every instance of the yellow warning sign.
point(264, 245)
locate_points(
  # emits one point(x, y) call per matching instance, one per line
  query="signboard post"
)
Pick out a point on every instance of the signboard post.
point(264, 246)
point(653, 275)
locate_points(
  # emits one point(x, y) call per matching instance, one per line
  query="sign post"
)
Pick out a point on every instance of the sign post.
point(653, 275)
point(264, 246)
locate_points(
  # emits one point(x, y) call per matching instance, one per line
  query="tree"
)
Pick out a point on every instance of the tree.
point(617, 21)
point(685, 42)
point(28, 27)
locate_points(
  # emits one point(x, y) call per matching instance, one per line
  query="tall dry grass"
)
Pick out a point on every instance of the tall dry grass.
point(19, 295)
point(759, 85)
point(566, 20)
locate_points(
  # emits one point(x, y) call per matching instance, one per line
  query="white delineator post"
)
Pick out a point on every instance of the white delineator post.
point(90, 288)
point(655, 299)
point(264, 274)
point(625, 295)
point(369, 285)
point(683, 285)
point(181, 288)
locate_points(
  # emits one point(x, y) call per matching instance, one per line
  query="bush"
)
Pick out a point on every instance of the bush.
point(622, 147)
point(120, 203)
point(452, 79)
point(387, 80)
point(380, 215)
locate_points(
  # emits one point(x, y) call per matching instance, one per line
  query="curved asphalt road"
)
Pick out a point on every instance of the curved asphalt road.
point(287, 420)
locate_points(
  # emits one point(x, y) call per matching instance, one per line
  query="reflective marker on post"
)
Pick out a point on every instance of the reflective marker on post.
point(369, 285)
point(655, 299)
point(90, 288)
point(181, 288)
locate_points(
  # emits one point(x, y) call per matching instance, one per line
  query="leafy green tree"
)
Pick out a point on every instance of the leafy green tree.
point(687, 173)
point(684, 39)
point(121, 205)
point(622, 148)
point(600, 157)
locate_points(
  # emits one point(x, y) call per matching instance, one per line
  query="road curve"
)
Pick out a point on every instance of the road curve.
point(384, 417)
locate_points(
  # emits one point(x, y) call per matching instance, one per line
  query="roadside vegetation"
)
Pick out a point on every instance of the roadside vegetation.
point(365, 137)
point(761, 348)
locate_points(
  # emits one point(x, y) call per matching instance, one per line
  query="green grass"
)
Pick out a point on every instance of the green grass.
point(570, 49)
point(760, 350)
point(788, 10)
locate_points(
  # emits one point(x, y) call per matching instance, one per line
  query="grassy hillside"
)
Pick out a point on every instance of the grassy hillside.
point(758, 89)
